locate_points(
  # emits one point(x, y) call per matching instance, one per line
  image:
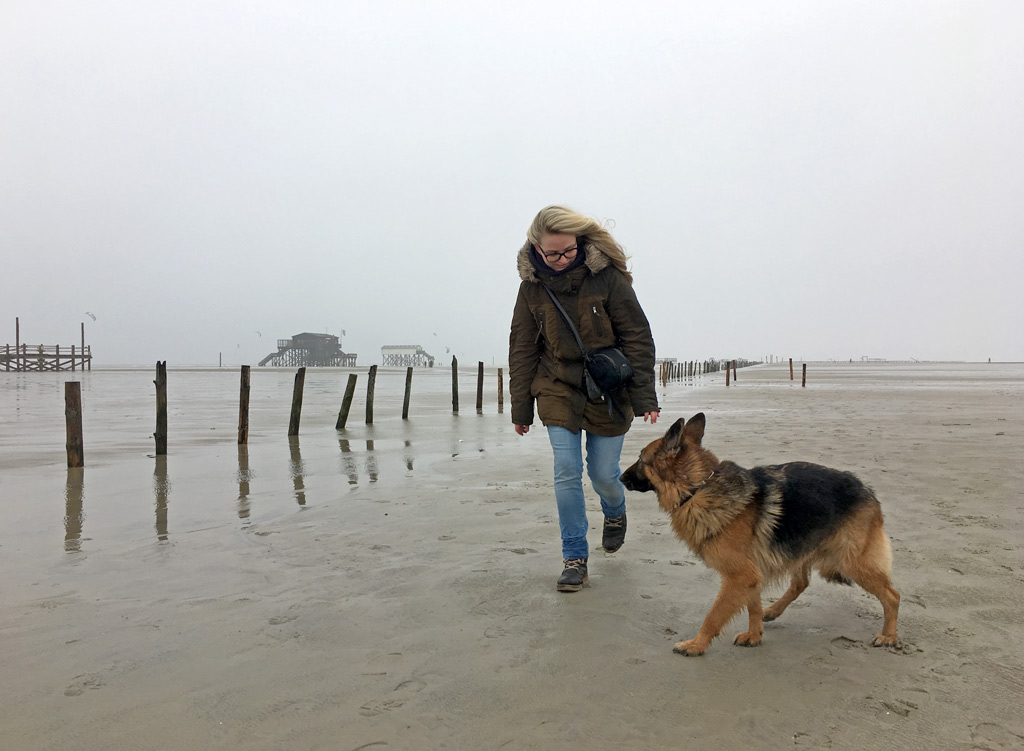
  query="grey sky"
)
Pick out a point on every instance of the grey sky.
point(806, 179)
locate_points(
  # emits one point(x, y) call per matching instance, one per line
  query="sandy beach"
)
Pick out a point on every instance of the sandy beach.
point(392, 586)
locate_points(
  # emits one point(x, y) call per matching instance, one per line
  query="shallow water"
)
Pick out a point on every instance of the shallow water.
point(125, 494)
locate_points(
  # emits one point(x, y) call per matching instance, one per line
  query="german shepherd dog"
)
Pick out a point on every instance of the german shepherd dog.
point(755, 526)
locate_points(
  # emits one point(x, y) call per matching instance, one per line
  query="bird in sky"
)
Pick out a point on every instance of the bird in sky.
point(90, 315)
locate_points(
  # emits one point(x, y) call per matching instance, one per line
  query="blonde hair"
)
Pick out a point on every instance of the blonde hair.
point(558, 220)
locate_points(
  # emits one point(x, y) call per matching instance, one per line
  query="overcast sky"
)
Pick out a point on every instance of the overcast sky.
point(806, 179)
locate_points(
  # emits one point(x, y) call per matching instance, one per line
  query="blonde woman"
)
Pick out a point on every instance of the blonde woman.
point(580, 262)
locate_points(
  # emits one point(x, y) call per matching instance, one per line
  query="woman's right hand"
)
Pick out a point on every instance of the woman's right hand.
point(522, 429)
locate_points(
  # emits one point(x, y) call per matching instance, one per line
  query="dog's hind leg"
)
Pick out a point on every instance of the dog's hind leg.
point(872, 571)
point(798, 582)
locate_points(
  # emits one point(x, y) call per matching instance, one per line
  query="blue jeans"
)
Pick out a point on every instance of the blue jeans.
point(603, 455)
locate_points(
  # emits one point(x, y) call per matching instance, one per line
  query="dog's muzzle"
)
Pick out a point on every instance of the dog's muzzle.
point(635, 479)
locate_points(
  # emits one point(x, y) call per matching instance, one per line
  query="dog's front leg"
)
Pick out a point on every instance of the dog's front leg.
point(735, 592)
point(755, 622)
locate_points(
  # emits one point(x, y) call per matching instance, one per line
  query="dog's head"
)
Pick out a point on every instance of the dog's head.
point(675, 461)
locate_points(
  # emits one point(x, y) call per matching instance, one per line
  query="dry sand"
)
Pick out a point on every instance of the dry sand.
point(392, 586)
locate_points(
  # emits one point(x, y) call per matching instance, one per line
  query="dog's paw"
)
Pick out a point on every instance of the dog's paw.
point(885, 640)
point(689, 648)
point(747, 639)
point(769, 615)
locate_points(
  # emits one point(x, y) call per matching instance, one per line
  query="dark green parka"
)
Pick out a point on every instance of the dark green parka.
point(546, 364)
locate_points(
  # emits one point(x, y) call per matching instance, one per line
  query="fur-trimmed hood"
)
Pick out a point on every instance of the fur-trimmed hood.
point(595, 261)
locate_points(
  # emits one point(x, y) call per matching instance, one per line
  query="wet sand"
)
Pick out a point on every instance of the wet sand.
point(392, 586)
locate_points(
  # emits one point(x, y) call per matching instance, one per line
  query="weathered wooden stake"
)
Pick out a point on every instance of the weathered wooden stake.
point(727, 369)
point(243, 407)
point(408, 393)
point(293, 421)
point(73, 358)
point(479, 388)
point(734, 371)
point(73, 418)
point(803, 379)
point(791, 368)
point(161, 408)
point(346, 402)
point(501, 392)
point(370, 386)
point(455, 385)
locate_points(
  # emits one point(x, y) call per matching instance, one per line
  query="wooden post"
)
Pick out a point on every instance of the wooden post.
point(56, 363)
point(17, 343)
point(370, 386)
point(300, 382)
point(501, 392)
point(83, 346)
point(734, 371)
point(727, 374)
point(408, 393)
point(243, 408)
point(161, 408)
point(803, 379)
point(455, 385)
point(346, 402)
point(791, 368)
point(479, 388)
point(72, 358)
point(73, 418)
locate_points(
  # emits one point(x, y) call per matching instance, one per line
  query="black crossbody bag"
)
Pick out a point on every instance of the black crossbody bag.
point(605, 369)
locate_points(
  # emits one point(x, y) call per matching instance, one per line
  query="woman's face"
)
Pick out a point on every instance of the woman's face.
point(557, 250)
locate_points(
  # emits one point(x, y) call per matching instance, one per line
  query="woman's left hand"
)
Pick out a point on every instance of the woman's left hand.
point(652, 416)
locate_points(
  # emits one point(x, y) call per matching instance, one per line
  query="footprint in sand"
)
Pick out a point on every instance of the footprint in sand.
point(277, 620)
point(81, 683)
point(403, 692)
point(995, 736)
point(809, 741)
point(382, 664)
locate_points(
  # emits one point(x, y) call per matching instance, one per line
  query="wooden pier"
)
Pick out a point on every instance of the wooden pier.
point(44, 357)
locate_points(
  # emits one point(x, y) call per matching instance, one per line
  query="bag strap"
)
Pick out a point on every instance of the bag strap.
point(568, 322)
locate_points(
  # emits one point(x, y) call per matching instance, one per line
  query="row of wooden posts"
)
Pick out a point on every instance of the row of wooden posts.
point(73, 399)
point(73, 405)
point(677, 371)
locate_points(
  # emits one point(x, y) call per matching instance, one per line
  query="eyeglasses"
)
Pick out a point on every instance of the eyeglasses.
point(554, 257)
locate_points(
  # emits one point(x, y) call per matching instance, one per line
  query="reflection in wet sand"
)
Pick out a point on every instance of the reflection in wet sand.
point(244, 475)
point(297, 470)
point(161, 489)
point(73, 515)
point(409, 456)
point(371, 462)
point(348, 464)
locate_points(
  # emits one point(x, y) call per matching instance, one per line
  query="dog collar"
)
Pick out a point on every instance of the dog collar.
point(704, 482)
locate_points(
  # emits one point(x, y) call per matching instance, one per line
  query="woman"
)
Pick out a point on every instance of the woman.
point(581, 263)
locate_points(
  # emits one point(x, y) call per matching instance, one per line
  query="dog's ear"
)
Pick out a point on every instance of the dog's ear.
point(694, 429)
point(674, 437)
